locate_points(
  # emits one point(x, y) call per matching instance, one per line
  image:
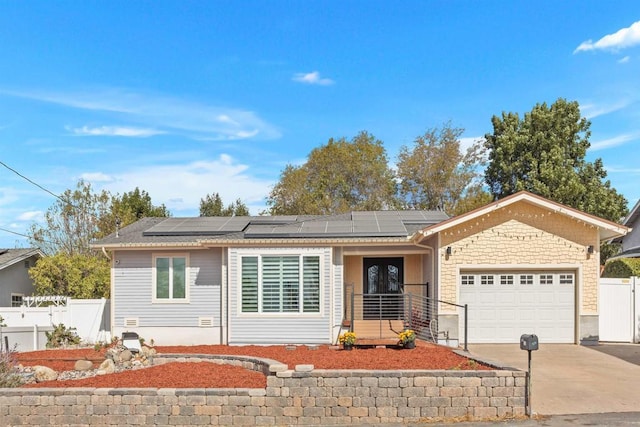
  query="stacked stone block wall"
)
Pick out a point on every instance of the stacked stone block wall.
point(292, 397)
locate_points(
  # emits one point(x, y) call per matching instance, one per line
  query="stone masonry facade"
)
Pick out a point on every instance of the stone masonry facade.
point(523, 234)
point(302, 396)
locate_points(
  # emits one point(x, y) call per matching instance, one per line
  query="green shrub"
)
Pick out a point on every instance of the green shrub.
point(622, 268)
point(8, 372)
point(62, 336)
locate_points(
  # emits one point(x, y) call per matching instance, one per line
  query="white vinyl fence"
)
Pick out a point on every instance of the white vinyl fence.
point(619, 310)
point(26, 325)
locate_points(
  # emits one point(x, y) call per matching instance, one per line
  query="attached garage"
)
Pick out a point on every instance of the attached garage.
point(503, 305)
point(522, 265)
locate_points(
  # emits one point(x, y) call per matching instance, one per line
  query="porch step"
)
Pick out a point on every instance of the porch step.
point(376, 342)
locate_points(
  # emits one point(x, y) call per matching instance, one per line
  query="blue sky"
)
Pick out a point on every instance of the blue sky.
point(186, 98)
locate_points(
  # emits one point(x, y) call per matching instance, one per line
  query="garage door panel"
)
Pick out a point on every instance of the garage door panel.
point(502, 313)
point(486, 297)
point(546, 298)
point(507, 315)
point(506, 298)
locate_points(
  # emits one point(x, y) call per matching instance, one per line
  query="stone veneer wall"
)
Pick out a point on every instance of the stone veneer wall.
point(522, 234)
point(292, 397)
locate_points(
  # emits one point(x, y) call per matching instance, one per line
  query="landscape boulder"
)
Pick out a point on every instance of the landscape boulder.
point(106, 367)
point(43, 373)
point(126, 356)
point(83, 365)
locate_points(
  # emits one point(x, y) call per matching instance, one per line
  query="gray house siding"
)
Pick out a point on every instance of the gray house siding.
point(15, 279)
point(133, 290)
point(245, 328)
point(632, 240)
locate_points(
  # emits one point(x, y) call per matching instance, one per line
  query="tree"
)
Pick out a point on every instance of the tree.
point(338, 177)
point(80, 276)
point(72, 222)
point(435, 174)
point(544, 153)
point(212, 205)
point(475, 196)
point(127, 209)
point(71, 267)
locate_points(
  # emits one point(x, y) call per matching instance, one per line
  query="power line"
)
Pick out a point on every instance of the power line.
point(13, 232)
point(35, 183)
point(45, 190)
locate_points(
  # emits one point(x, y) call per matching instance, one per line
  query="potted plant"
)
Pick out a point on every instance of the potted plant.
point(407, 338)
point(348, 339)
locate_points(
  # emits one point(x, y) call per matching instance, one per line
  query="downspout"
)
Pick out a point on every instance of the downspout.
point(224, 299)
point(112, 291)
point(433, 261)
point(104, 251)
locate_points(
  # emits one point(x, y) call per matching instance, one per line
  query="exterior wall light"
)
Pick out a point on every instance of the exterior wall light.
point(590, 249)
point(448, 250)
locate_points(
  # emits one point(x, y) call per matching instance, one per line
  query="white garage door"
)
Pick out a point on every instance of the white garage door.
point(505, 305)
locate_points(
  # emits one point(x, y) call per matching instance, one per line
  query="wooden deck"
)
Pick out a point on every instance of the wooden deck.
point(382, 330)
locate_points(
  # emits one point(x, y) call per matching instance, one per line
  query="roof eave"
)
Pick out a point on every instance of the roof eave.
point(607, 229)
point(204, 243)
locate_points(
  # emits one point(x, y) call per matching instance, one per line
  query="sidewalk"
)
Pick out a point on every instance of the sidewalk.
point(606, 419)
point(572, 379)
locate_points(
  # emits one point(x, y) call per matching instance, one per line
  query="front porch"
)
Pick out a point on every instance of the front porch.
point(377, 319)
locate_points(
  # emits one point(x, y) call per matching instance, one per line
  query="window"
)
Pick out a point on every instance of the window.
point(506, 279)
point(280, 284)
point(467, 279)
point(170, 279)
point(486, 279)
point(16, 300)
point(566, 279)
point(546, 279)
point(526, 279)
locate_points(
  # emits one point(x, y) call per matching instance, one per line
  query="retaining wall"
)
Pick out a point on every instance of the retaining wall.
point(292, 397)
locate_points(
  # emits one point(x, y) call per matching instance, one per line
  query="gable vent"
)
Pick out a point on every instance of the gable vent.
point(131, 322)
point(205, 322)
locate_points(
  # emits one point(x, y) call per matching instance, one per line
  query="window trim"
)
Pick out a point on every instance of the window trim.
point(301, 256)
point(17, 294)
point(154, 284)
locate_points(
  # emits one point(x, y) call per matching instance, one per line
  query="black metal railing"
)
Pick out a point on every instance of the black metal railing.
point(409, 309)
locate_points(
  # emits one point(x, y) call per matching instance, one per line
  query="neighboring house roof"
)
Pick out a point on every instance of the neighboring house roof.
point(607, 229)
point(633, 215)
point(8, 257)
point(629, 253)
point(629, 221)
point(362, 226)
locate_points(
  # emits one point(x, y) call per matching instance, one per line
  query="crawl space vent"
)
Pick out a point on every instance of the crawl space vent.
point(205, 322)
point(131, 322)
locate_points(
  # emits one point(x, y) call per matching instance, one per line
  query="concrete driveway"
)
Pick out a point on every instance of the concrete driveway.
point(571, 379)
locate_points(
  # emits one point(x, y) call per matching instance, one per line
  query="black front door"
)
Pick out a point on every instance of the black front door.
point(382, 291)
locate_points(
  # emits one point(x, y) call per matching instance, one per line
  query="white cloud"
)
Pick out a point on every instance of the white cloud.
point(613, 142)
point(467, 142)
point(115, 131)
point(160, 114)
point(181, 186)
point(31, 216)
point(312, 78)
point(590, 110)
point(624, 60)
point(621, 39)
point(623, 170)
point(96, 177)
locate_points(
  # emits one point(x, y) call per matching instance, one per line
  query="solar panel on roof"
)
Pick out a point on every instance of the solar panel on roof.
point(209, 226)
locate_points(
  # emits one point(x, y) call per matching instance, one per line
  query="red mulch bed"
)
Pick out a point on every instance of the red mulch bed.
point(211, 375)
